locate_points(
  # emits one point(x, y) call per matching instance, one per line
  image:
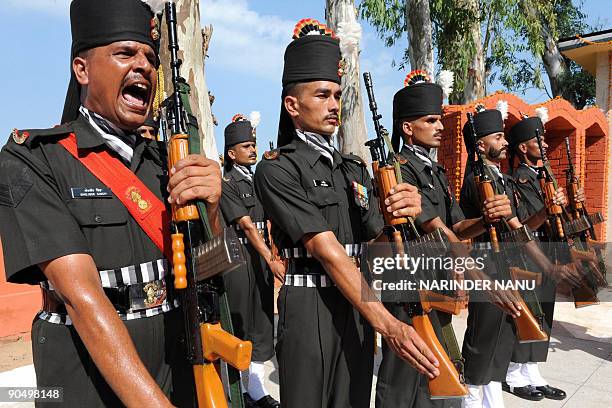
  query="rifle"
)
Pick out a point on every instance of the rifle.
point(199, 259)
point(400, 230)
point(530, 324)
point(586, 293)
point(579, 212)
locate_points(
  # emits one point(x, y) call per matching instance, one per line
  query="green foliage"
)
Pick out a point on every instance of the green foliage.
point(512, 39)
point(453, 21)
point(387, 16)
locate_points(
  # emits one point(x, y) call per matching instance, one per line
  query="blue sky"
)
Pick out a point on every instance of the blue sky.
point(243, 71)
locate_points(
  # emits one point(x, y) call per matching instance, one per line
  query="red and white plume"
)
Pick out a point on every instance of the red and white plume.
point(156, 6)
point(310, 26)
point(542, 113)
point(502, 106)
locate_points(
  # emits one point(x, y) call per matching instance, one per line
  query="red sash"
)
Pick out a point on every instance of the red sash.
point(148, 210)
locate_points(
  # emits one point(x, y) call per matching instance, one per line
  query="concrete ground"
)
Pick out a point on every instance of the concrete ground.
point(580, 360)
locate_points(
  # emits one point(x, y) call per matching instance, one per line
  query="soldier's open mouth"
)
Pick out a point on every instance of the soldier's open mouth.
point(137, 95)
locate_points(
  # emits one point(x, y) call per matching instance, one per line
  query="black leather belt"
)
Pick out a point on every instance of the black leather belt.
point(125, 299)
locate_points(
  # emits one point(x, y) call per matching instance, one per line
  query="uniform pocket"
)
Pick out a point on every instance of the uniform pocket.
point(93, 212)
point(323, 196)
point(248, 201)
point(431, 194)
point(104, 224)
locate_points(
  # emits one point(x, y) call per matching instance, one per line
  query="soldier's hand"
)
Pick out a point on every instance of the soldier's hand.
point(406, 343)
point(580, 196)
point(195, 177)
point(506, 300)
point(497, 207)
point(278, 270)
point(566, 273)
point(404, 201)
point(559, 197)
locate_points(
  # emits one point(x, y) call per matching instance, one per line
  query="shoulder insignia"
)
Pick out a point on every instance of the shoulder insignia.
point(26, 137)
point(523, 180)
point(20, 137)
point(400, 159)
point(271, 154)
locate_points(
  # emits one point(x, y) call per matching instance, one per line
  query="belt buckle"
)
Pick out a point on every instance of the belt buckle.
point(147, 295)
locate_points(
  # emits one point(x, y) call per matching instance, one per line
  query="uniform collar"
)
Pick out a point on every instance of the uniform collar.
point(418, 163)
point(311, 155)
point(237, 175)
point(87, 137)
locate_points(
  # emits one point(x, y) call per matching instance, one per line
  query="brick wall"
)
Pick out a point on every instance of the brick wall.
point(589, 140)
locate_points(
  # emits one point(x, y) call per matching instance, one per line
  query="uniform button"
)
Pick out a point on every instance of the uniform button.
point(98, 218)
point(42, 339)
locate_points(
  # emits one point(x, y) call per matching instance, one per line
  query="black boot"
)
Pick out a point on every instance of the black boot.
point(552, 392)
point(528, 392)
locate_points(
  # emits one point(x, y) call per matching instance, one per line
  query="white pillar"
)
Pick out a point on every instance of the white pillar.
point(603, 79)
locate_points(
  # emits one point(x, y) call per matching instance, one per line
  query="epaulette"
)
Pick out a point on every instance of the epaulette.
point(355, 159)
point(271, 154)
point(27, 136)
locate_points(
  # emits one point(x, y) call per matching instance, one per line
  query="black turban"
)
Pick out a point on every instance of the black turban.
point(237, 132)
point(525, 130)
point(307, 59)
point(414, 101)
point(486, 123)
point(96, 23)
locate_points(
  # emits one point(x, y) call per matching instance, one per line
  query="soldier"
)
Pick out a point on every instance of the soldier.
point(316, 199)
point(250, 290)
point(109, 332)
point(149, 129)
point(523, 378)
point(489, 340)
point(417, 113)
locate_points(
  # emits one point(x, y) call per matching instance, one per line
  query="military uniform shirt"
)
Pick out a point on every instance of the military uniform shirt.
point(303, 193)
point(469, 198)
point(45, 212)
point(529, 186)
point(239, 199)
point(437, 198)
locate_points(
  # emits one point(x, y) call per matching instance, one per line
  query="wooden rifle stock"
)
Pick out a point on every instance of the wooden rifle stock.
point(448, 384)
point(524, 275)
point(553, 210)
point(528, 329)
point(485, 191)
point(448, 304)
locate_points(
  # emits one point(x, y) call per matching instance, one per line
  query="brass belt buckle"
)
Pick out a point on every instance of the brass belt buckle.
point(147, 295)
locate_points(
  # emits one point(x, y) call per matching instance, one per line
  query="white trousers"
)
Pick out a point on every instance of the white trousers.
point(484, 396)
point(523, 374)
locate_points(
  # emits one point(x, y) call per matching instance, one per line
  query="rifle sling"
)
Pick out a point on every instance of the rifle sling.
point(448, 334)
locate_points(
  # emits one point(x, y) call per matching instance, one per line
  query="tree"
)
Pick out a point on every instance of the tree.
point(452, 25)
point(542, 23)
point(191, 41)
point(341, 16)
point(393, 18)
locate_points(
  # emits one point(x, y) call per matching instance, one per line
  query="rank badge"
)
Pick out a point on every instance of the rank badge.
point(361, 195)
